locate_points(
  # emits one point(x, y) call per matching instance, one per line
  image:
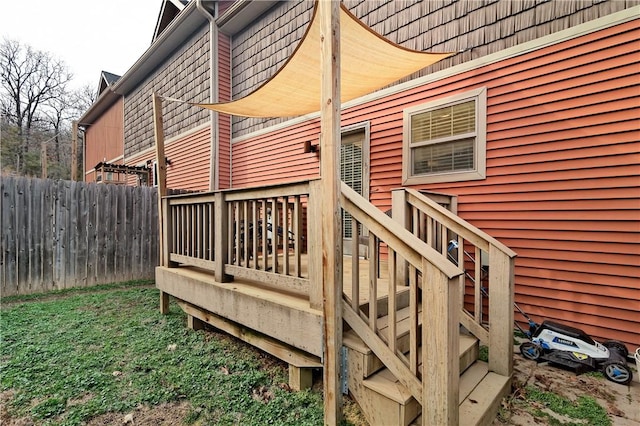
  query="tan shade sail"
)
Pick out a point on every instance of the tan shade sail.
point(368, 63)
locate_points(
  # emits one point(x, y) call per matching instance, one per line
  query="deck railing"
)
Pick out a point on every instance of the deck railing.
point(430, 375)
point(253, 234)
point(488, 280)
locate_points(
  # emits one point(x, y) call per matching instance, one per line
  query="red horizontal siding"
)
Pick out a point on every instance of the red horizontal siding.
point(277, 157)
point(563, 172)
point(190, 159)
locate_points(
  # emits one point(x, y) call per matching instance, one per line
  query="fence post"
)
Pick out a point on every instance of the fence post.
point(501, 278)
point(221, 240)
point(441, 366)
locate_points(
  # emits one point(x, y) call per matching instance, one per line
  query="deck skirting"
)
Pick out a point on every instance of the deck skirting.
point(285, 317)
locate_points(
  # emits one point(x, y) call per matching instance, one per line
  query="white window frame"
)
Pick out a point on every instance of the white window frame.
point(480, 147)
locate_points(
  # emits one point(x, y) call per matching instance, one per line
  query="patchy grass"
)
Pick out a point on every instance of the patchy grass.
point(585, 410)
point(68, 360)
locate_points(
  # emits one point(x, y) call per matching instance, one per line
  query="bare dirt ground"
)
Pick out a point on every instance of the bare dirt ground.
point(621, 402)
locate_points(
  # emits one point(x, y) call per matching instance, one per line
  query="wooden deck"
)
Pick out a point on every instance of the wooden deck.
point(282, 315)
point(250, 263)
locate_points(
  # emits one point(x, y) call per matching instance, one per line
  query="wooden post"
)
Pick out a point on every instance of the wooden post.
point(501, 278)
point(314, 247)
point(329, 14)
point(441, 367)
point(43, 159)
point(221, 241)
point(74, 150)
point(158, 131)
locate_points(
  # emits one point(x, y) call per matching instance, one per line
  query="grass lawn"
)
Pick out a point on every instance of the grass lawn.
point(82, 355)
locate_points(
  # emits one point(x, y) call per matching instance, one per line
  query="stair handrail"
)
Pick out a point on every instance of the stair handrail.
point(499, 336)
point(405, 243)
point(461, 226)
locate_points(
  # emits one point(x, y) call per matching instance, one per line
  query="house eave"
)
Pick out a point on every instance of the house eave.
point(106, 99)
point(240, 14)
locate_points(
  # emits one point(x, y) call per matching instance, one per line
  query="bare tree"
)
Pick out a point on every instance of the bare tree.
point(29, 78)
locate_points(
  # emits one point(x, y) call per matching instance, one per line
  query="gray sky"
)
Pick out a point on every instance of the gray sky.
point(88, 35)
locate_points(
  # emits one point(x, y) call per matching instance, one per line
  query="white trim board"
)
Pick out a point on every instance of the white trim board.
point(583, 29)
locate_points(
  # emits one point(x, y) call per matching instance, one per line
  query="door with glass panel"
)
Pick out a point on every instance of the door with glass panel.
point(354, 171)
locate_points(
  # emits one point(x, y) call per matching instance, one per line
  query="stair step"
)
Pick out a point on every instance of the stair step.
point(481, 393)
point(483, 403)
point(468, 352)
point(385, 383)
point(470, 379)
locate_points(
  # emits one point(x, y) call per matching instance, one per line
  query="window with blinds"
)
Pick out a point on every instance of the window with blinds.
point(445, 140)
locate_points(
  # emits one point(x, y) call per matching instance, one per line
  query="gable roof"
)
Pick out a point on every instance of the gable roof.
point(169, 10)
point(107, 79)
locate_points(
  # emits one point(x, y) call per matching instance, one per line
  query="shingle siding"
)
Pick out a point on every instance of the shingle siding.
point(477, 28)
point(184, 75)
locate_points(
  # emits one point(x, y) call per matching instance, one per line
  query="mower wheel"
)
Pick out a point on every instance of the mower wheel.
point(616, 346)
point(531, 351)
point(617, 372)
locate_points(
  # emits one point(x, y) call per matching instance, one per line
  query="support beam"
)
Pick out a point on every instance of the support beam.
point(158, 130)
point(329, 14)
point(164, 302)
point(194, 323)
point(300, 378)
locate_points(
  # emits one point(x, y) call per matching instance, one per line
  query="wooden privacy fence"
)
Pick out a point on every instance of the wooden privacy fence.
point(62, 234)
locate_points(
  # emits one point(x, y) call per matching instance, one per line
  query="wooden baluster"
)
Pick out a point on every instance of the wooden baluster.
point(285, 236)
point(174, 229)
point(238, 228)
point(275, 220)
point(254, 236)
point(181, 229)
point(246, 235)
point(462, 279)
point(477, 288)
point(355, 265)
point(414, 339)
point(297, 229)
point(373, 281)
point(199, 230)
point(265, 239)
point(391, 299)
point(211, 233)
point(231, 230)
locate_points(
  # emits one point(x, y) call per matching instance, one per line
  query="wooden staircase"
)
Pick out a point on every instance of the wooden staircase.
point(386, 401)
point(401, 360)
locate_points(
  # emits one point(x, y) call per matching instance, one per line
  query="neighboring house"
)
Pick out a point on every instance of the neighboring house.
point(531, 132)
point(103, 124)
